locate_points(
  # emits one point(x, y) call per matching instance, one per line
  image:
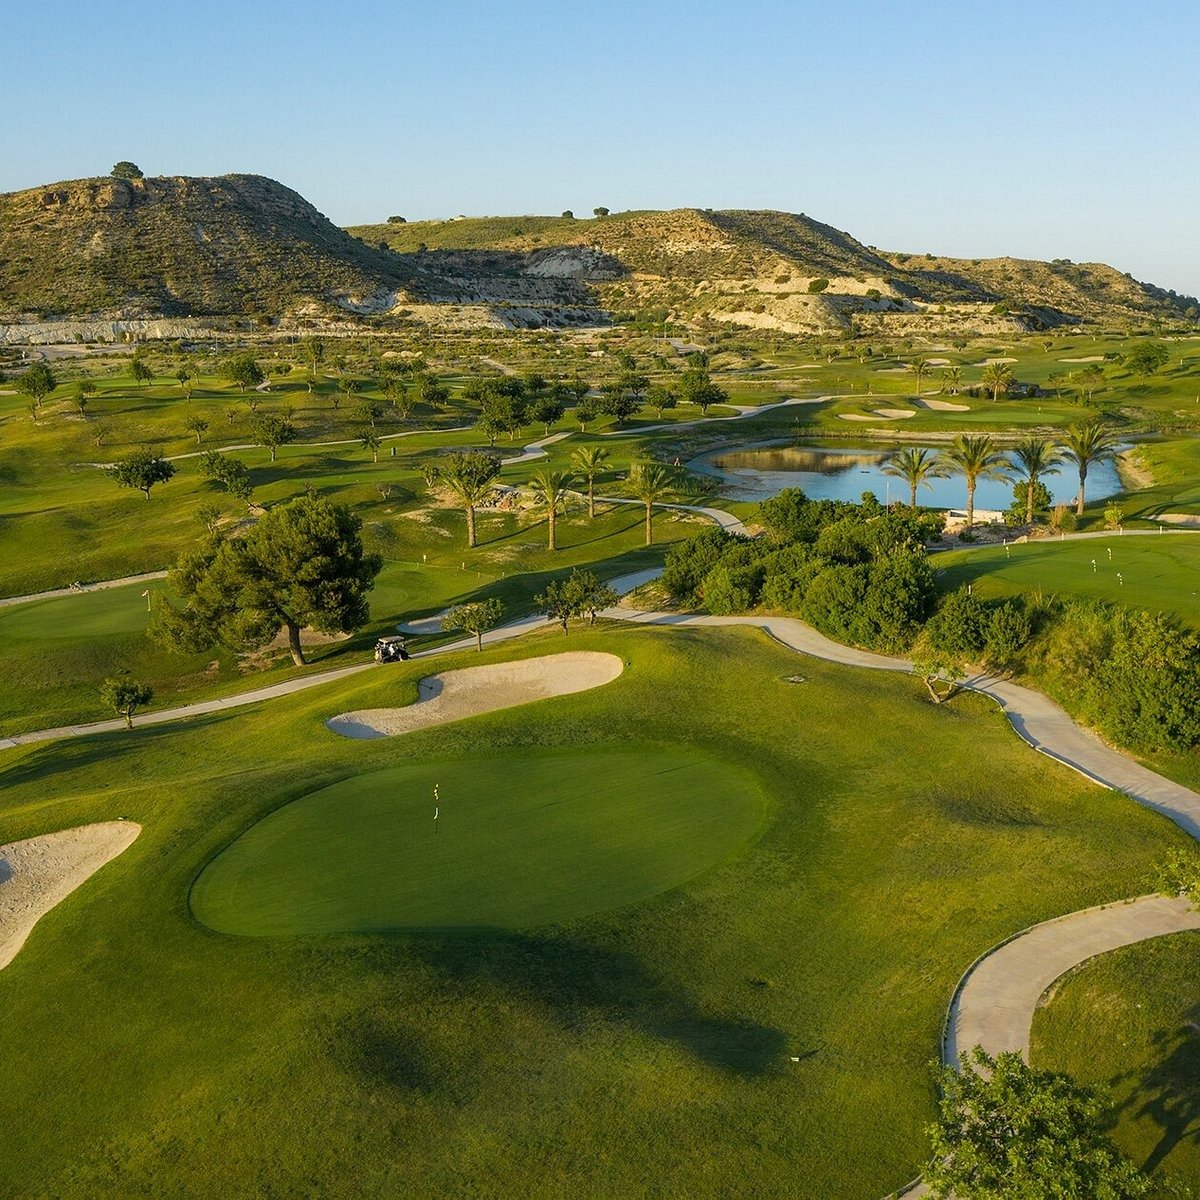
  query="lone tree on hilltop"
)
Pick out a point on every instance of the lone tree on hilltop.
point(600, 211)
point(1005, 1129)
point(469, 476)
point(126, 170)
point(142, 469)
point(1088, 446)
point(302, 565)
point(125, 697)
point(37, 383)
point(475, 619)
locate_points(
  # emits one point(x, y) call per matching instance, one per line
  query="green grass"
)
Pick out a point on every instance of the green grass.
point(1158, 573)
point(535, 839)
point(644, 1049)
point(1128, 1021)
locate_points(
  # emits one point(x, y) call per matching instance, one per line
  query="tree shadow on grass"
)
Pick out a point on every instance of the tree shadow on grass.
point(81, 753)
point(572, 984)
point(1169, 1091)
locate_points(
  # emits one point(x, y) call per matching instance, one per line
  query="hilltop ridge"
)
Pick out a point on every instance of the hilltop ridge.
point(245, 246)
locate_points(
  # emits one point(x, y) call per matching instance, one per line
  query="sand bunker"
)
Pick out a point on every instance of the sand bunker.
point(896, 414)
point(987, 362)
point(937, 362)
point(1090, 358)
point(40, 872)
point(942, 405)
point(453, 695)
point(1179, 518)
point(856, 417)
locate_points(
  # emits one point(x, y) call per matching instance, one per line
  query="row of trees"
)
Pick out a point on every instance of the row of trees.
point(470, 477)
point(979, 456)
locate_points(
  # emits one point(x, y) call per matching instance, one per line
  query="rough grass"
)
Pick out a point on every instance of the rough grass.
point(647, 1051)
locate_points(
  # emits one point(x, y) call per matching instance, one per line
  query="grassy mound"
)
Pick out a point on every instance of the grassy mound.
point(521, 840)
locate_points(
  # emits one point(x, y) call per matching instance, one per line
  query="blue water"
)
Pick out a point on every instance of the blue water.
point(845, 472)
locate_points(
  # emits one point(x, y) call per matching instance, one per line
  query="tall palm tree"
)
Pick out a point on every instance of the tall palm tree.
point(1086, 446)
point(652, 482)
point(918, 367)
point(469, 475)
point(550, 490)
point(915, 467)
point(975, 457)
point(997, 378)
point(589, 461)
point(1031, 459)
point(952, 379)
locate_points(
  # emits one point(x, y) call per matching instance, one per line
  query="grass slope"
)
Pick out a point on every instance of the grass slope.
point(644, 1051)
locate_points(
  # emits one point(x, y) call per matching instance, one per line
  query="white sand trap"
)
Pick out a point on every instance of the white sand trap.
point(1090, 358)
point(892, 371)
point(40, 872)
point(856, 417)
point(896, 414)
point(942, 405)
point(1179, 518)
point(453, 695)
point(937, 362)
point(987, 362)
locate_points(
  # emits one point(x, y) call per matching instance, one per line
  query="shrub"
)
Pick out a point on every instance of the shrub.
point(817, 286)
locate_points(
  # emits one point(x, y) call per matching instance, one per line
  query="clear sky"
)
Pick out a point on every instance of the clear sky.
point(1058, 129)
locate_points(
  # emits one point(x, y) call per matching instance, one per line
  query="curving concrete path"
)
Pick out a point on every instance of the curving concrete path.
point(99, 586)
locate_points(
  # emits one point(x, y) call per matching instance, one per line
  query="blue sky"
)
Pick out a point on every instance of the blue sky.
point(1055, 129)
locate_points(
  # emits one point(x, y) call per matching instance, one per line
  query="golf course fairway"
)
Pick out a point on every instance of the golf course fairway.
point(520, 840)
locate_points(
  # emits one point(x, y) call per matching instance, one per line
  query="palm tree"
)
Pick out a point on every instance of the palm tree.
point(952, 379)
point(997, 378)
point(1089, 445)
point(651, 482)
point(589, 461)
point(975, 457)
point(1033, 458)
point(469, 476)
point(915, 467)
point(550, 490)
point(918, 366)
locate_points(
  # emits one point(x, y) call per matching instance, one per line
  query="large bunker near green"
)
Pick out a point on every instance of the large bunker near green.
point(518, 840)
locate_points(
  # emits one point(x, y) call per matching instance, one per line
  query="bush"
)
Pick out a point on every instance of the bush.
point(817, 286)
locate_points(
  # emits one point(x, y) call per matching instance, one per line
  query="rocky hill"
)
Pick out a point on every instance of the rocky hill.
point(234, 245)
point(768, 270)
point(132, 252)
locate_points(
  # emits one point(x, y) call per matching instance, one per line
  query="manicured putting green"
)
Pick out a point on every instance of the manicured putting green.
point(1156, 572)
point(521, 840)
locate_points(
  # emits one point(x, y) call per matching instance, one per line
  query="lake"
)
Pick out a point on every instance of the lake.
point(845, 472)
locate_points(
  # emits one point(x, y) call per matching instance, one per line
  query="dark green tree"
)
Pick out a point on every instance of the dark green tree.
point(272, 430)
point(301, 566)
point(1006, 1131)
point(142, 469)
point(37, 382)
point(125, 697)
point(475, 619)
point(126, 170)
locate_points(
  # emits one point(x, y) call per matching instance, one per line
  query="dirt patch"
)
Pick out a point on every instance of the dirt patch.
point(38, 873)
point(453, 695)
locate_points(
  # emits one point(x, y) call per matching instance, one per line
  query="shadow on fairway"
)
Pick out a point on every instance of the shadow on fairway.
point(1169, 1092)
point(73, 754)
point(572, 984)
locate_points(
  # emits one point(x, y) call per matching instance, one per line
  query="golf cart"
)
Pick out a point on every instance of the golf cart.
point(390, 649)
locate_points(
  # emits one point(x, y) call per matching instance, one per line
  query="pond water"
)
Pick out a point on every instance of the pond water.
point(844, 472)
